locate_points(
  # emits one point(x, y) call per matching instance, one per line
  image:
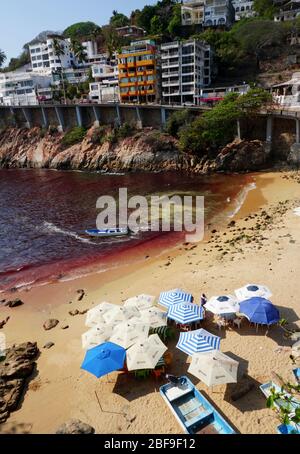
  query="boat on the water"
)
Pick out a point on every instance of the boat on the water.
point(107, 232)
point(195, 414)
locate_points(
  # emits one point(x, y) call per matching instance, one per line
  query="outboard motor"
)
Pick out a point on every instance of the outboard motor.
point(175, 380)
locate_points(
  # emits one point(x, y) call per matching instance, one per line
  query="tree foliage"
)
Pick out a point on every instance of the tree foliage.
point(82, 30)
point(265, 8)
point(119, 20)
point(2, 57)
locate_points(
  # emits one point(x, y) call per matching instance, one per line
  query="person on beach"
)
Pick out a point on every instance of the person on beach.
point(203, 300)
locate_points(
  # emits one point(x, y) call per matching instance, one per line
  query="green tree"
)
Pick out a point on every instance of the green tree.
point(144, 17)
point(265, 8)
point(156, 26)
point(78, 50)
point(175, 23)
point(59, 51)
point(119, 20)
point(2, 57)
point(82, 30)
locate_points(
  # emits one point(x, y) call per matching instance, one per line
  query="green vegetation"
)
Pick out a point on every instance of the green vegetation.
point(216, 127)
point(287, 413)
point(75, 135)
point(119, 20)
point(2, 57)
point(16, 63)
point(265, 8)
point(82, 30)
point(98, 136)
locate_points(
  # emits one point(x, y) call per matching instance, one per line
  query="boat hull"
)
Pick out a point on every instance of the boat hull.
point(107, 233)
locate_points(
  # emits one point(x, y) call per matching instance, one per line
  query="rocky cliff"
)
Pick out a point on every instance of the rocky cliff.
point(148, 150)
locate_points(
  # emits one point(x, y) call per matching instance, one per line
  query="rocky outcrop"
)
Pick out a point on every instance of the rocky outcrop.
point(294, 155)
point(75, 427)
point(242, 155)
point(17, 366)
point(50, 324)
point(147, 151)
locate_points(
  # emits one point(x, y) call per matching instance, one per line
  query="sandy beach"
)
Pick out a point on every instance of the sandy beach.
point(262, 247)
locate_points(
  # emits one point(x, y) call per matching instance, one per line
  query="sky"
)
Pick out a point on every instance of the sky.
point(22, 20)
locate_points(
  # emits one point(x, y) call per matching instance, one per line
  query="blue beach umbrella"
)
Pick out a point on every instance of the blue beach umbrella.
point(260, 311)
point(104, 359)
point(177, 296)
point(198, 341)
point(185, 313)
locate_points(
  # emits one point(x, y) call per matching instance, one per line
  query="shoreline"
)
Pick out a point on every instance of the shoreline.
point(266, 255)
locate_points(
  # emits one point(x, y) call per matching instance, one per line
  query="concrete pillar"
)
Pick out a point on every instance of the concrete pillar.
point(239, 134)
point(60, 118)
point(45, 118)
point(13, 115)
point(297, 130)
point(269, 129)
point(118, 115)
point(97, 116)
point(163, 116)
point(139, 118)
point(79, 116)
point(27, 116)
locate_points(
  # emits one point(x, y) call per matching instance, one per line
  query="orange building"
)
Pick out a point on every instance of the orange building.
point(139, 73)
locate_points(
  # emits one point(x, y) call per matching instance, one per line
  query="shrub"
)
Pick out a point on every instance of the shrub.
point(126, 130)
point(42, 133)
point(177, 121)
point(52, 130)
point(99, 135)
point(74, 136)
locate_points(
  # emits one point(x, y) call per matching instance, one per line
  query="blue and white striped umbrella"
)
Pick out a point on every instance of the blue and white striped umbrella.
point(198, 341)
point(185, 313)
point(177, 296)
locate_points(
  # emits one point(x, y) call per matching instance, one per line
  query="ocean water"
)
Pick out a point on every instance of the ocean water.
point(44, 215)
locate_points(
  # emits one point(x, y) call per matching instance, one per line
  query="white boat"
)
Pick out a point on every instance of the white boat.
point(107, 232)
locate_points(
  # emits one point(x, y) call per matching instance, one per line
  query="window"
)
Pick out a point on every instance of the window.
point(33, 58)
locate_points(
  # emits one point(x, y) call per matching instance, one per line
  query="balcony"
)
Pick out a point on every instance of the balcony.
point(171, 84)
point(170, 74)
point(167, 46)
point(145, 63)
point(169, 65)
point(170, 55)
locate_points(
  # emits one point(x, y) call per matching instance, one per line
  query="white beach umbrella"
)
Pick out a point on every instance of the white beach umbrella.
point(154, 317)
point(214, 368)
point(296, 349)
point(145, 355)
point(253, 290)
point(129, 333)
point(140, 302)
point(120, 314)
point(221, 305)
point(94, 316)
point(95, 337)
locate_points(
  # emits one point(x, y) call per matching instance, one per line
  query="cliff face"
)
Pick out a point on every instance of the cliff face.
point(147, 151)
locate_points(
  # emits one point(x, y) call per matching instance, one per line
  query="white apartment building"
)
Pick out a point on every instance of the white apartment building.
point(218, 13)
point(185, 69)
point(43, 55)
point(208, 13)
point(243, 8)
point(214, 94)
point(105, 89)
point(287, 94)
point(192, 12)
point(21, 88)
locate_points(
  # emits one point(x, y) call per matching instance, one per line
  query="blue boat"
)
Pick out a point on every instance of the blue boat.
point(193, 411)
point(107, 232)
point(296, 373)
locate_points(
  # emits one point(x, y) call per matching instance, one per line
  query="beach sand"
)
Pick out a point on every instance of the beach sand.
point(263, 247)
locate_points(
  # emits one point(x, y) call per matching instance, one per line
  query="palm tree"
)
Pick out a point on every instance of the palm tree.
point(59, 51)
point(78, 51)
point(2, 57)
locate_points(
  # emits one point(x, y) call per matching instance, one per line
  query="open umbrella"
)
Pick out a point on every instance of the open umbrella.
point(104, 359)
point(140, 302)
point(128, 333)
point(186, 313)
point(94, 317)
point(252, 290)
point(154, 317)
point(260, 311)
point(119, 314)
point(177, 296)
point(145, 355)
point(198, 341)
point(96, 336)
point(222, 305)
point(214, 368)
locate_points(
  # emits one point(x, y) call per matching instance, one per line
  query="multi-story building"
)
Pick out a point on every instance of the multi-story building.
point(287, 10)
point(131, 31)
point(105, 89)
point(207, 13)
point(243, 8)
point(192, 12)
point(185, 69)
point(218, 13)
point(22, 88)
point(43, 56)
point(287, 94)
point(139, 73)
point(211, 95)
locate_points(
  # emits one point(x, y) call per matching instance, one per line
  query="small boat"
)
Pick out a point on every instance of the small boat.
point(193, 411)
point(296, 373)
point(107, 232)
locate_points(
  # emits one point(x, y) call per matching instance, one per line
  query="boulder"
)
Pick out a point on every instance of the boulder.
point(75, 427)
point(15, 370)
point(50, 324)
point(49, 345)
point(242, 156)
point(14, 303)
